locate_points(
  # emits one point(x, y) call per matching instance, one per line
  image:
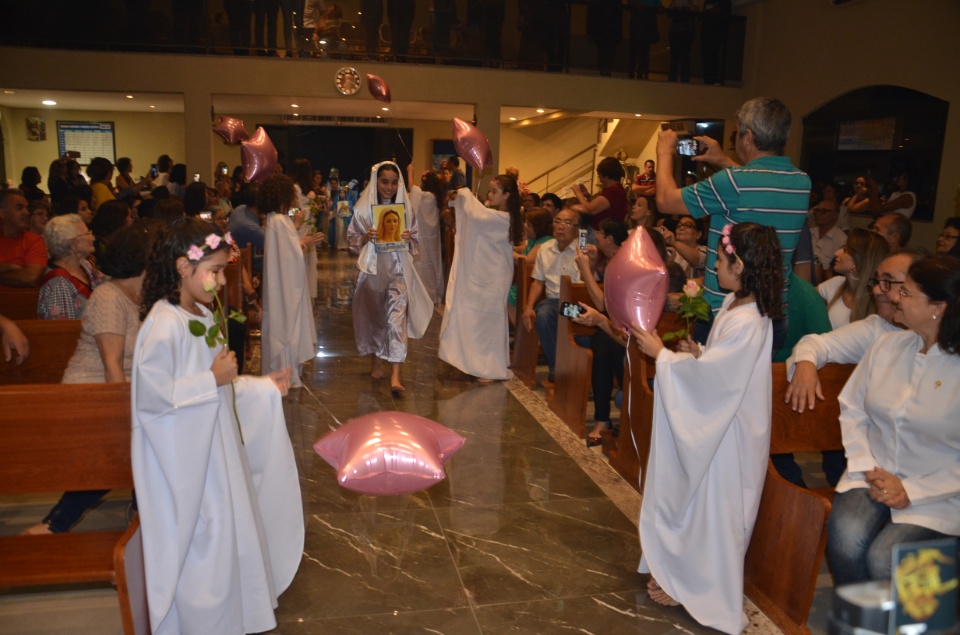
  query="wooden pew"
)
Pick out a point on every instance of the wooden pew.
point(19, 304)
point(574, 363)
point(76, 438)
point(52, 344)
point(790, 535)
point(526, 344)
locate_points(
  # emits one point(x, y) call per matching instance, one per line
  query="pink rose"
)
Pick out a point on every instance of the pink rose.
point(691, 289)
point(195, 253)
point(213, 241)
point(209, 284)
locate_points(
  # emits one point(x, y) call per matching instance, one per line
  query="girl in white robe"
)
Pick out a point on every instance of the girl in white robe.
point(220, 509)
point(303, 186)
point(390, 303)
point(711, 439)
point(289, 333)
point(427, 200)
point(475, 329)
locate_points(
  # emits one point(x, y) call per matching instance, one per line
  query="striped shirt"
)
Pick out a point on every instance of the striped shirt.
point(768, 191)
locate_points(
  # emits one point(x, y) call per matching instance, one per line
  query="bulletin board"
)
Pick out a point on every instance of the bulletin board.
point(89, 138)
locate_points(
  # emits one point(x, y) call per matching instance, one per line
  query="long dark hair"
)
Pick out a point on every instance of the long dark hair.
point(758, 247)
point(431, 183)
point(303, 175)
point(509, 185)
point(162, 281)
point(939, 279)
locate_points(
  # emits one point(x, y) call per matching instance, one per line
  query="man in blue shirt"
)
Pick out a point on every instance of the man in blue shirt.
point(245, 224)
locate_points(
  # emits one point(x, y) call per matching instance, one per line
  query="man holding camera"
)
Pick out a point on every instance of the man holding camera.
point(766, 189)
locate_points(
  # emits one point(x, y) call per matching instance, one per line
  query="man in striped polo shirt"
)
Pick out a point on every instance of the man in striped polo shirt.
point(766, 189)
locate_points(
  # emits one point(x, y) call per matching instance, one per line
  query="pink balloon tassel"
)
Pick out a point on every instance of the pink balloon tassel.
point(635, 283)
point(471, 145)
point(389, 453)
point(378, 88)
point(259, 156)
point(231, 129)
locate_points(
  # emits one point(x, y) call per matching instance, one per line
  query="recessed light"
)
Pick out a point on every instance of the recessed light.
point(9, 92)
point(540, 110)
point(296, 114)
point(48, 102)
point(638, 115)
point(385, 108)
point(152, 106)
point(378, 117)
point(129, 96)
point(294, 105)
point(513, 118)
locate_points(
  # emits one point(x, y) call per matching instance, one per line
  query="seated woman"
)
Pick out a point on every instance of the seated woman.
point(898, 415)
point(104, 353)
point(111, 216)
point(849, 295)
point(947, 242)
point(538, 229)
point(71, 278)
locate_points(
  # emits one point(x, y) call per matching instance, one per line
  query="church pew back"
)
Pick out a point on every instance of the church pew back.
point(52, 344)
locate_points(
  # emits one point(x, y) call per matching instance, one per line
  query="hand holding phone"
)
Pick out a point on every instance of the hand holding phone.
point(582, 239)
point(570, 310)
point(690, 147)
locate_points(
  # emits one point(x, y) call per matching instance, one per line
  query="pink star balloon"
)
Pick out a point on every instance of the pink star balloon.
point(231, 129)
point(470, 144)
point(378, 88)
point(635, 283)
point(258, 156)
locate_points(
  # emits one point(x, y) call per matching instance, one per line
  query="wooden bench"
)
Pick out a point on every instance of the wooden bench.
point(574, 363)
point(19, 304)
point(76, 437)
point(632, 449)
point(790, 535)
point(52, 344)
point(526, 344)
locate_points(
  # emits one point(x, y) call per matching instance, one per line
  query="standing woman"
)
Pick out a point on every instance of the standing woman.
point(473, 336)
point(390, 303)
point(428, 199)
point(303, 185)
point(289, 336)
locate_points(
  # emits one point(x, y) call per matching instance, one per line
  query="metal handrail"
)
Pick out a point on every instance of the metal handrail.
point(589, 148)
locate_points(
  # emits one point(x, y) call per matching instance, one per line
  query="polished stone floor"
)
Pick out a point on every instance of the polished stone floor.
point(531, 532)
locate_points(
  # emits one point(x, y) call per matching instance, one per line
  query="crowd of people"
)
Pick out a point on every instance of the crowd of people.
point(139, 260)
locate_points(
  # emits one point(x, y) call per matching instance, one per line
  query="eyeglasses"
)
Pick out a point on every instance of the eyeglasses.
point(904, 293)
point(822, 210)
point(565, 223)
point(885, 285)
point(947, 236)
point(686, 226)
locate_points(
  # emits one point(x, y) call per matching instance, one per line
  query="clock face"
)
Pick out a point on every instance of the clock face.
point(347, 80)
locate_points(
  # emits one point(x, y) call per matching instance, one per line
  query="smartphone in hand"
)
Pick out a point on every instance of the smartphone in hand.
point(571, 310)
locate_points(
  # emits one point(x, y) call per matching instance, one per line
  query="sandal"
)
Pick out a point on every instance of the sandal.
point(594, 438)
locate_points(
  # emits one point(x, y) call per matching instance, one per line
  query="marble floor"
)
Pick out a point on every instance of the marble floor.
point(531, 532)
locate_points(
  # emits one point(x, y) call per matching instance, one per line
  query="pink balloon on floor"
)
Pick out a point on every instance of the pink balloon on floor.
point(635, 283)
point(378, 88)
point(259, 156)
point(231, 129)
point(470, 144)
point(389, 453)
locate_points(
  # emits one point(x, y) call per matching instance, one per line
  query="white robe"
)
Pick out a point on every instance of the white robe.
point(287, 310)
point(708, 458)
point(474, 332)
point(222, 522)
point(429, 264)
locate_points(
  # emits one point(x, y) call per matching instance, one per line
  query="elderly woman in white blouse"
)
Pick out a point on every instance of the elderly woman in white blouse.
point(898, 416)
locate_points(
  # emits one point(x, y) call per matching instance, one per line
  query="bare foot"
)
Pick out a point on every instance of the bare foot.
point(40, 529)
point(396, 388)
point(658, 595)
point(376, 374)
point(376, 370)
point(484, 380)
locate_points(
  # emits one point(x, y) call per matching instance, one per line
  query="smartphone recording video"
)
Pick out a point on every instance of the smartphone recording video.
point(690, 147)
point(571, 310)
point(207, 216)
point(582, 239)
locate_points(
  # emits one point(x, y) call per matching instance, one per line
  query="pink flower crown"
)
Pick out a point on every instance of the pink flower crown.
point(212, 241)
point(727, 245)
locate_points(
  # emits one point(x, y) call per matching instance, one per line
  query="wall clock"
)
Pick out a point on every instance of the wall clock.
point(347, 80)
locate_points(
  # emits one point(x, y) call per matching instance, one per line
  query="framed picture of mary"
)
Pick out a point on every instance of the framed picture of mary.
point(390, 227)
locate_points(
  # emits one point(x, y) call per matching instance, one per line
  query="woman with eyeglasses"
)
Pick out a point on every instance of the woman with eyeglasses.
point(898, 416)
point(71, 278)
point(849, 294)
point(687, 250)
point(948, 242)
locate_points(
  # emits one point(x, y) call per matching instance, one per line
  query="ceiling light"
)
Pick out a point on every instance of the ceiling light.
point(378, 116)
point(152, 106)
point(513, 118)
point(48, 102)
point(294, 105)
point(638, 115)
point(9, 92)
point(385, 108)
point(540, 110)
point(296, 114)
point(129, 96)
